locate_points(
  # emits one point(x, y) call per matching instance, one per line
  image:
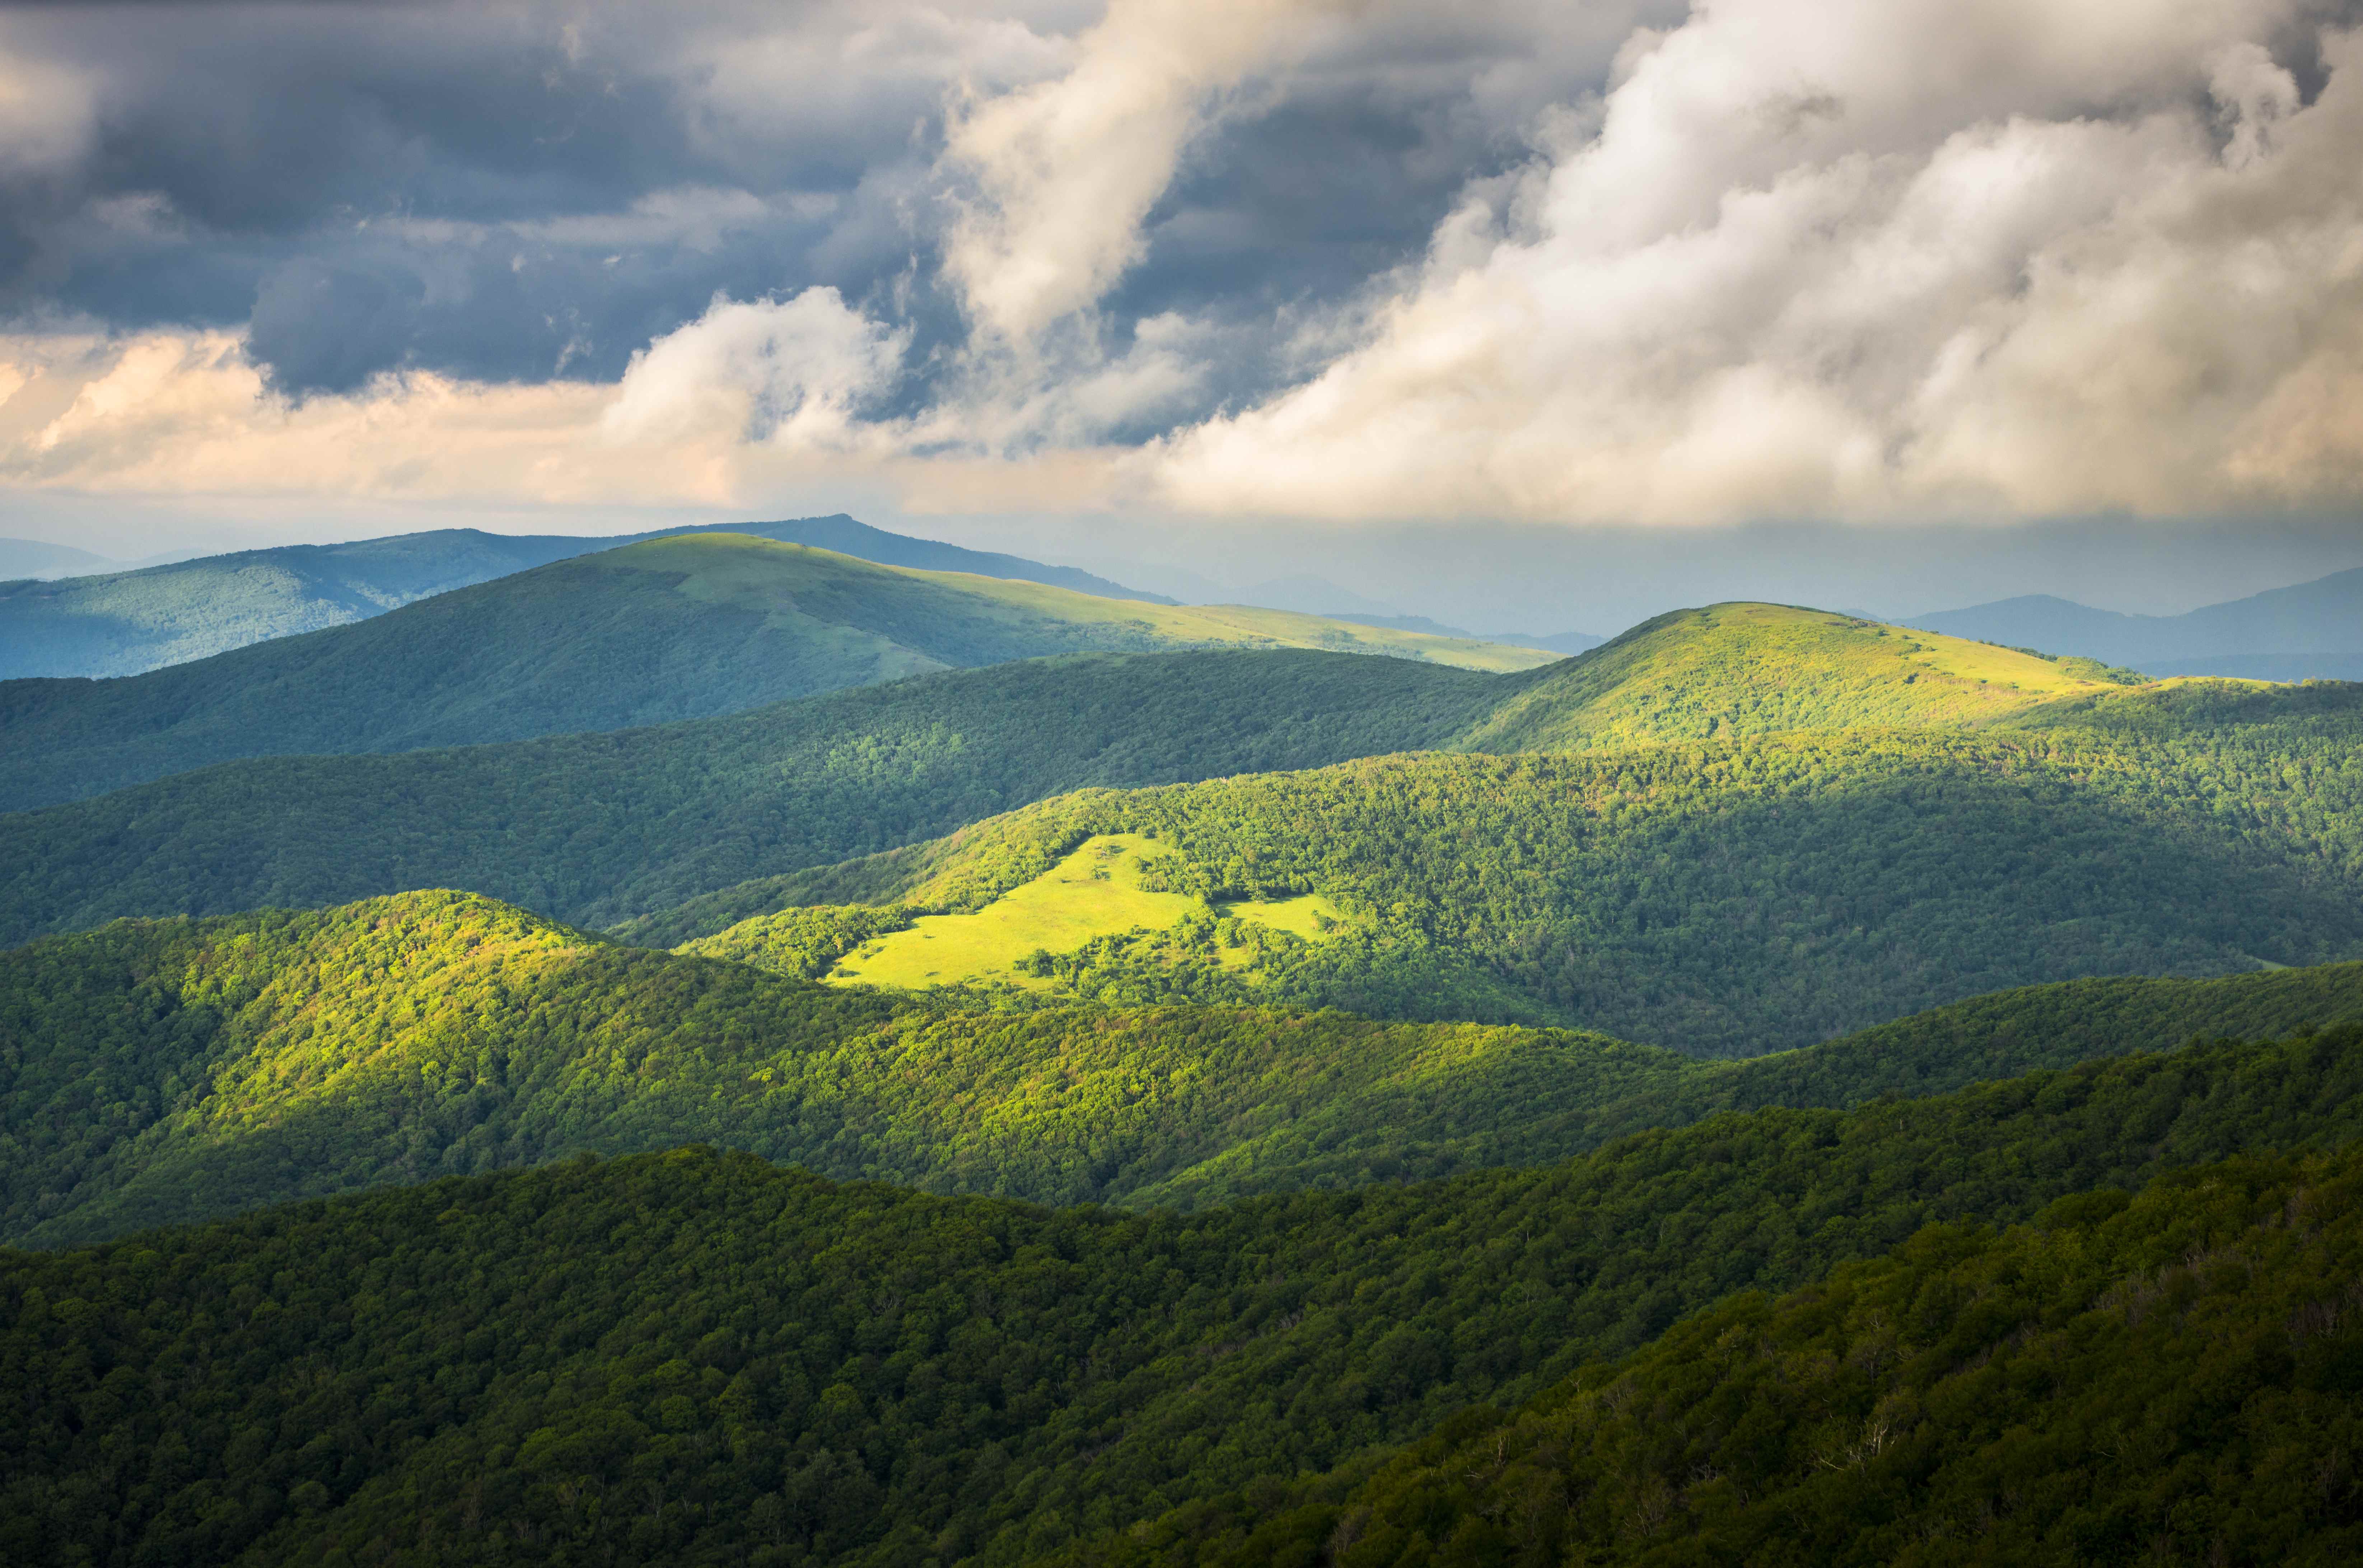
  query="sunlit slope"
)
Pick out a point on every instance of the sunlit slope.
point(598, 829)
point(863, 1373)
point(1095, 891)
point(670, 629)
point(166, 1070)
point(1748, 668)
point(1732, 896)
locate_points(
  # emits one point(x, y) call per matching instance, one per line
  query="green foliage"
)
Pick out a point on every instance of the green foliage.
point(670, 629)
point(803, 942)
point(172, 1071)
point(2172, 1377)
point(1748, 668)
point(694, 1357)
point(600, 828)
point(1734, 898)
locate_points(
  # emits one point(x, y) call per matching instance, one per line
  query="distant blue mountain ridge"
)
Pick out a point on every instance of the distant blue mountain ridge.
point(2310, 631)
point(124, 623)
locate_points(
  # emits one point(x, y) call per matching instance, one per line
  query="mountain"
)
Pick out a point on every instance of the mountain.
point(1570, 642)
point(2312, 630)
point(1563, 642)
point(163, 1072)
point(1754, 887)
point(670, 629)
point(695, 1357)
point(594, 829)
point(123, 623)
point(21, 558)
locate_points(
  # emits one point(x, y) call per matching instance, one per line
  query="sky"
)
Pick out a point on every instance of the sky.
point(1536, 315)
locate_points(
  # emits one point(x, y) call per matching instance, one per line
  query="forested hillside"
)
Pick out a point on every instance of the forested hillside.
point(694, 1357)
point(1732, 896)
point(2170, 1376)
point(225, 840)
point(672, 628)
point(168, 1071)
point(597, 829)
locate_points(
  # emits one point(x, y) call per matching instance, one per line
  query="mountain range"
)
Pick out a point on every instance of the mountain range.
point(716, 1050)
point(681, 627)
point(123, 623)
point(2311, 631)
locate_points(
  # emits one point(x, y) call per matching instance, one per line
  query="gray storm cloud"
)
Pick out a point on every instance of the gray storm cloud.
point(1301, 258)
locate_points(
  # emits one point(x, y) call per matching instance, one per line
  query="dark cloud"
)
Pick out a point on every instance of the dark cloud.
point(518, 193)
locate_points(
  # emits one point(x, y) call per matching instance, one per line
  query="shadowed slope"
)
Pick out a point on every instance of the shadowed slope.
point(672, 628)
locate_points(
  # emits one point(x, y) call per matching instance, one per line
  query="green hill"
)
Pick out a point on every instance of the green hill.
point(121, 623)
point(1730, 895)
point(597, 828)
point(1751, 669)
point(537, 823)
point(671, 628)
point(160, 1071)
point(693, 1358)
point(1726, 898)
point(2169, 1377)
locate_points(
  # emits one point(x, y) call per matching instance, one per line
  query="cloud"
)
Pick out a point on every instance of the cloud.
point(1067, 170)
point(1355, 260)
point(794, 372)
point(1868, 258)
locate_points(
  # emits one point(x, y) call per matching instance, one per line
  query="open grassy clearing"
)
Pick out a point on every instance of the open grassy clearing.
point(1094, 892)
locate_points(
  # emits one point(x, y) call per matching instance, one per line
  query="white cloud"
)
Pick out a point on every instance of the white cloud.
point(1868, 257)
point(1067, 168)
point(794, 372)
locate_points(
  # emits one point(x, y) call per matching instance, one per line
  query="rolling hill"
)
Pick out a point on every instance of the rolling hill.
point(597, 828)
point(2313, 630)
point(1725, 897)
point(695, 1357)
point(161, 1072)
point(1758, 888)
point(121, 623)
point(23, 558)
point(670, 629)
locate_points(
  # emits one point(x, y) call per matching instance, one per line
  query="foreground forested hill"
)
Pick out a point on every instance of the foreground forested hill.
point(694, 1357)
point(2173, 1376)
point(670, 629)
point(178, 1070)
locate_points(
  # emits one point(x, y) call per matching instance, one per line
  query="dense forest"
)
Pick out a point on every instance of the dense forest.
point(699, 1357)
point(2170, 1376)
point(1722, 897)
point(1775, 1088)
point(603, 829)
point(171, 1071)
point(597, 828)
